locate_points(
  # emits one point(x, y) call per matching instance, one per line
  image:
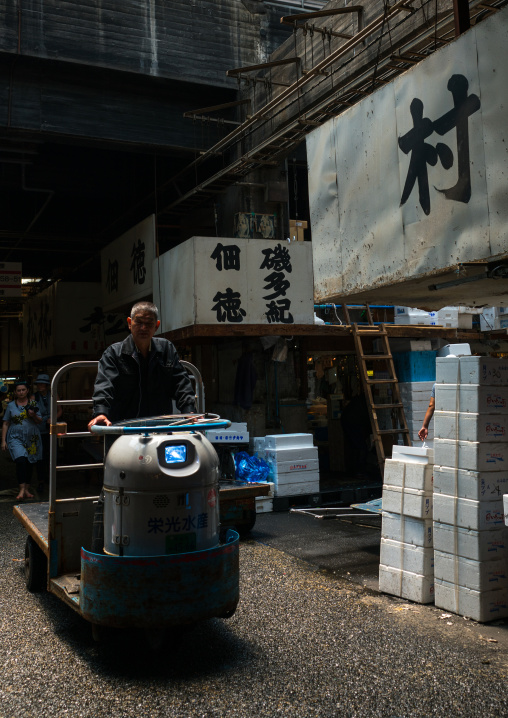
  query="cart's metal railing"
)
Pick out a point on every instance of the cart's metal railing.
point(54, 434)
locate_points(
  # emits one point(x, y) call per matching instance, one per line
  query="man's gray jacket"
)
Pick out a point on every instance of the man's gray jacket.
point(117, 391)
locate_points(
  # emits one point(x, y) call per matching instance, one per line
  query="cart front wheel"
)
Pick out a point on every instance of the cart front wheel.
point(36, 565)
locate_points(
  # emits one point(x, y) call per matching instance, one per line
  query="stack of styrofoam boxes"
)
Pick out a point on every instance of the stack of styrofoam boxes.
point(415, 397)
point(456, 317)
point(264, 504)
point(406, 562)
point(493, 318)
point(408, 315)
point(294, 462)
point(470, 477)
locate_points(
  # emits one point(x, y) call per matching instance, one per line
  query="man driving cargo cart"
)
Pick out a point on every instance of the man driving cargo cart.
point(140, 376)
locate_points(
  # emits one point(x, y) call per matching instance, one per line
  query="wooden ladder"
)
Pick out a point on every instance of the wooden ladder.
point(383, 438)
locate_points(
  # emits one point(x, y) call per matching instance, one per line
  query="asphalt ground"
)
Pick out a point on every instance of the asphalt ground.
point(311, 637)
point(303, 642)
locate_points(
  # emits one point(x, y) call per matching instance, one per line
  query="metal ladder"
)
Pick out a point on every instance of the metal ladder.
point(383, 438)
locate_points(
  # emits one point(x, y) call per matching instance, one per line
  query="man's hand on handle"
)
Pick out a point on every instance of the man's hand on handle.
point(101, 420)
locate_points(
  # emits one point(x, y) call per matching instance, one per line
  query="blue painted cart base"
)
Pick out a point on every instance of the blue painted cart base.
point(160, 591)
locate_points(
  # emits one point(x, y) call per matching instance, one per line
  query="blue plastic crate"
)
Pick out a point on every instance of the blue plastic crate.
point(415, 366)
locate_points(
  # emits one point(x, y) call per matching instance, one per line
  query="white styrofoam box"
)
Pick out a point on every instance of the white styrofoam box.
point(408, 315)
point(493, 318)
point(410, 476)
point(415, 389)
point(455, 350)
point(413, 454)
point(505, 508)
point(477, 485)
point(264, 504)
point(409, 502)
point(487, 371)
point(473, 455)
point(476, 545)
point(289, 441)
point(295, 477)
point(271, 491)
point(258, 443)
point(481, 606)
point(235, 434)
point(297, 489)
point(405, 584)
point(406, 529)
point(470, 427)
point(291, 468)
point(308, 453)
point(468, 513)
point(472, 398)
point(451, 317)
point(477, 575)
point(407, 557)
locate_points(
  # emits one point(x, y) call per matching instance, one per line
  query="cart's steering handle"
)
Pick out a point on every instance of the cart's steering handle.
point(164, 425)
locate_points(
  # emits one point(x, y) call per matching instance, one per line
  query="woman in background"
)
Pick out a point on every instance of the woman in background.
point(21, 436)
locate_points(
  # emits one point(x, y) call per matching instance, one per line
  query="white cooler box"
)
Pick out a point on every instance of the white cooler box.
point(471, 455)
point(476, 575)
point(487, 371)
point(476, 485)
point(406, 529)
point(405, 584)
point(472, 398)
point(413, 454)
point(407, 557)
point(409, 502)
point(475, 545)
point(409, 475)
point(468, 513)
point(479, 605)
point(288, 441)
point(471, 427)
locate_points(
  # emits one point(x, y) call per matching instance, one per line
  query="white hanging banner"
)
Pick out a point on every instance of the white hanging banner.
point(412, 180)
point(126, 266)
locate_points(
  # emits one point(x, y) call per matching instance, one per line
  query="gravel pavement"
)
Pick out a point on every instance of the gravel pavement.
point(302, 643)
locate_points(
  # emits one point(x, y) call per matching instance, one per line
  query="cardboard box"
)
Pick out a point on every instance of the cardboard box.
point(475, 545)
point(476, 485)
point(405, 584)
point(476, 575)
point(297, 228)
point(481, 606)
point(468, 513)
point(464, 426)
